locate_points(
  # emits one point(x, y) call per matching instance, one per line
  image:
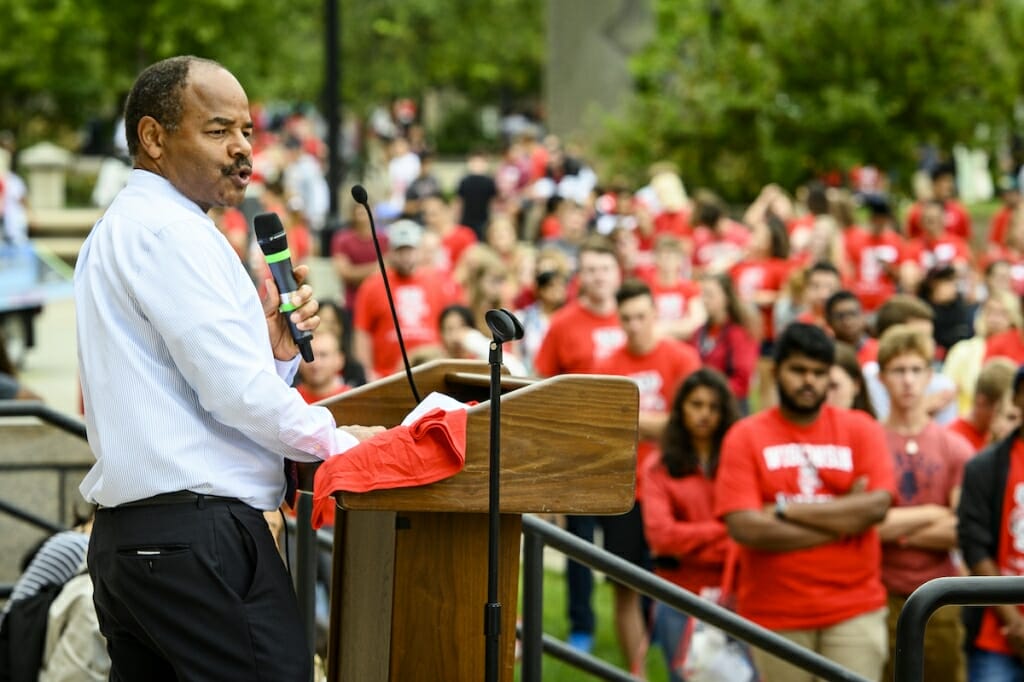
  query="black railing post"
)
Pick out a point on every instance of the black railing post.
point(305, 555)
point(908, 662)
point(533, 607)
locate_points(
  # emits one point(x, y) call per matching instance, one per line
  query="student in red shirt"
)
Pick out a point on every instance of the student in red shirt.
point(846, 320)
point(919, 532)
point(1010, 194)
point(688, 544)
point(583, 333)
point(728, 340)
point(657, 365)
point(321, 379)
point(876, 255)
point(955, 219)
point(800, 488)
point(418, 302)
point(935, 247)
point(989, 391)
point(676, 296)
point(990, 538)
point(455, 238)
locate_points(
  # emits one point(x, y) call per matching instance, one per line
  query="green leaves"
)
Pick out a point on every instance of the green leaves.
point(66, 61)
point(778, 91)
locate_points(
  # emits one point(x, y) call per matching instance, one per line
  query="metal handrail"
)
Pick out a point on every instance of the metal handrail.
point(32, 408)
point(908, 661)
point(647, 583)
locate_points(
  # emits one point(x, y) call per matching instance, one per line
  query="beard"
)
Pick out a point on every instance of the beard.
point(804, 410)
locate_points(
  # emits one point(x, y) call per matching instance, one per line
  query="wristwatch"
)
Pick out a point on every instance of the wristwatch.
point(780, 506)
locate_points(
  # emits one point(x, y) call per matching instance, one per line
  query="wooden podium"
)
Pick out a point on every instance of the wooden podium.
point(410, 564)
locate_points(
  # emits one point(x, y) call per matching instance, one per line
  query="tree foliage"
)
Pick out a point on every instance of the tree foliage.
point(66, 61)
point(742, 92)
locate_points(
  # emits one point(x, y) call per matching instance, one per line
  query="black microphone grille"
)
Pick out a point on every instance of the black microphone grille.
point(359, 194)
point(267, 226)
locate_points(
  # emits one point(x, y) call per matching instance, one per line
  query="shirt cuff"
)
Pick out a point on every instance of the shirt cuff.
point(287, 369)
point(343, 441)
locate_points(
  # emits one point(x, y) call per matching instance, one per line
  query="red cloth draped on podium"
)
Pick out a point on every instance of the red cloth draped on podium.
point(430, 449)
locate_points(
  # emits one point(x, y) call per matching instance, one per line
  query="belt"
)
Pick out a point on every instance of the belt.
point(179, 497)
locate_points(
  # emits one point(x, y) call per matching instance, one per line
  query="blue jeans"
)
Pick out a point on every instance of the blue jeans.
point(580, 578)
point(668, 626)
point(988, 666)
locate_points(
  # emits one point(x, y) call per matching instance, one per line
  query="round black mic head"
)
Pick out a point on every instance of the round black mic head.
point(503, 325)
point(359, 194)
point(518, 326)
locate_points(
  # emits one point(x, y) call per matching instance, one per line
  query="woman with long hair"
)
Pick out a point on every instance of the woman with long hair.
point(846, 386)
point(728, 341)
point(688, 544)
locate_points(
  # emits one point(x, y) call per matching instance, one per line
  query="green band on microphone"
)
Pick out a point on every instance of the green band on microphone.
point(288, 307)
point(279, 256)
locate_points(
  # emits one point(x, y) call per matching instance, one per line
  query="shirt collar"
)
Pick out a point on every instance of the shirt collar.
point(152, 182)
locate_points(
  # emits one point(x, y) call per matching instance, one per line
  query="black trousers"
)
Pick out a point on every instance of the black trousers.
point(195, 591)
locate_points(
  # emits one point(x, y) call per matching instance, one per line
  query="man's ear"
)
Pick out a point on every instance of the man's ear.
point(151, 137)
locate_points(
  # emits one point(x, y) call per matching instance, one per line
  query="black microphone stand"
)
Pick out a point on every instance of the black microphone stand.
point(504, 327)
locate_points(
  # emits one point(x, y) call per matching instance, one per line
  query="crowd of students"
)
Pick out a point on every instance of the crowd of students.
point(816, 373)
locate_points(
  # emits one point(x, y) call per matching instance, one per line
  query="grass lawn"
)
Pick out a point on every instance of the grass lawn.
point(556, 624)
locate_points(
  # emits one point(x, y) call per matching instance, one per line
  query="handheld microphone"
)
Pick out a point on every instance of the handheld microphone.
point(272, 240)
point(359, 194)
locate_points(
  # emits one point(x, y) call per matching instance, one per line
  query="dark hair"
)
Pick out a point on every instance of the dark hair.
point(597, 243)
point(817, 198)
point(940, 273)
point(899, 309)
point(779, 236)
point(630, 289)
point(837, 298)
point(734, 307)
point(846, 360)
point(157, 93)
point(546, 277)
point(804, 339)
point(677, 451)
point(457, 309)
point(821, 266)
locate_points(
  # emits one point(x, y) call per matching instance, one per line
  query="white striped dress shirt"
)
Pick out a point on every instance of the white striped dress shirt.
point(181, 388)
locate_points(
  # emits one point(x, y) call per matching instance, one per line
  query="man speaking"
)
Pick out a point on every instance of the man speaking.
point(185, 376)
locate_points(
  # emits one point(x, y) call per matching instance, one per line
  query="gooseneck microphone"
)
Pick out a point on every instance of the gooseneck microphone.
point(272, 240)
point(359, 194)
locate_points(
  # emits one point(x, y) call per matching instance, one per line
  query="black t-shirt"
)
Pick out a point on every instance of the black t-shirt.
point(476, 192)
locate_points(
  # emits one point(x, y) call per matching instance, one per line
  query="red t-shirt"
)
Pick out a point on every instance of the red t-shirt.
point(732, 351)
point(1008, 344)
point(577, 340)
point(977, 439)
point(926, 477)
point(946, 250)
point(710, 248)
point(418, 300)
point(311, 397)
point(676, 223)
point(1000, 225)
point(658, 375)
point(754, 275)
point(672, 300)
point(764, 455)
point(679, 522)
point(869, 254)
point(1010, 560)
point(452, 246)
point(958, 222)
point(868, 351)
